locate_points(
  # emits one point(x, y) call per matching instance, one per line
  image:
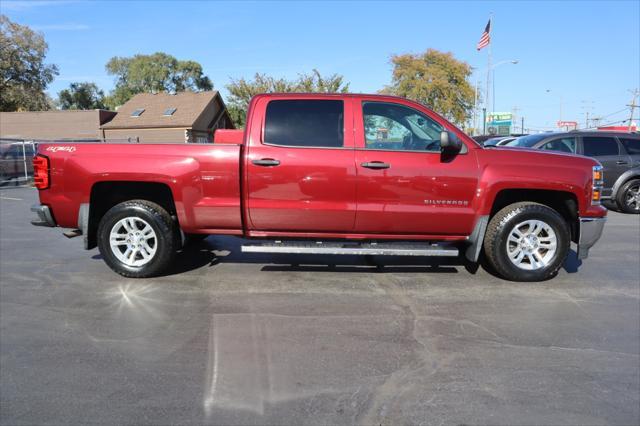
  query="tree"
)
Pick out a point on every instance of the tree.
point(436, 79)
point(241, 91)
point(23, 74)
point(81, 96)
point(159, 72)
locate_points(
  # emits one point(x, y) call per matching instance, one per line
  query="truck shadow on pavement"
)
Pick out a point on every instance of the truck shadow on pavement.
point(216, 250)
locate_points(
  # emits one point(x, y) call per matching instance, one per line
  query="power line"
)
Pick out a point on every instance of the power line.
point(612, 123)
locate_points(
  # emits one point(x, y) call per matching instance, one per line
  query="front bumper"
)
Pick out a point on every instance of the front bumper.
point(590, 232)
point(44, 216)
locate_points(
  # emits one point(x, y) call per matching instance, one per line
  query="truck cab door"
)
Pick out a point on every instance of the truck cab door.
point(300, 171)
point(405, 185)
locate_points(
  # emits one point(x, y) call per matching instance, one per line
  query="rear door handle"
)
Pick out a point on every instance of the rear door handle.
point(266, 162)
point(620, 163)
point(375, 165)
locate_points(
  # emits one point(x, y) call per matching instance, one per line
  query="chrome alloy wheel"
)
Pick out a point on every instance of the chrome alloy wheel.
point(531, 245)
point(632, 197)
point(133, 241)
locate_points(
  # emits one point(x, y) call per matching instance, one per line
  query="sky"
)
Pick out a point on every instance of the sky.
point(573, 57)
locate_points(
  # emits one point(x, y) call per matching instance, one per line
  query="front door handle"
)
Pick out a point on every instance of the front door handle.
point(266, 162)
point(621, 163)
point(376, 165)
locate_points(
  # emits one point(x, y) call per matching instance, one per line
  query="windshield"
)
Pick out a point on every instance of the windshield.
point(528, 141)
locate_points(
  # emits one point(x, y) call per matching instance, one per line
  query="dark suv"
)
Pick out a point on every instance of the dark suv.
point(618, 152)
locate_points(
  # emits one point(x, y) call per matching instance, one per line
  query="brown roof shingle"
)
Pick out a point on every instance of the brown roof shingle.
point(188, 106)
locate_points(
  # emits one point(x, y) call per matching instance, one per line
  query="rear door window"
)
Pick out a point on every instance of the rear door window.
point(631, 145)
point(599, 146)
point(305, 123)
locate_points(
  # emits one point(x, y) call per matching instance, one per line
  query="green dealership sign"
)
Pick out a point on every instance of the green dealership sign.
point(499, 123)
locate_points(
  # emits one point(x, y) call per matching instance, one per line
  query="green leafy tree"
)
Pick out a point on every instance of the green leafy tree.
point(159, 72)
point(81, 96)
point(435, 79)
point(241, 91)
point(23, 74)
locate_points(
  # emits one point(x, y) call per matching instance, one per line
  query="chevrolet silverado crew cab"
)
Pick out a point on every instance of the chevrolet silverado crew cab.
point(328, 174)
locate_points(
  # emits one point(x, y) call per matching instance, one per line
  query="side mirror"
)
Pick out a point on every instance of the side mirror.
point(449, 143)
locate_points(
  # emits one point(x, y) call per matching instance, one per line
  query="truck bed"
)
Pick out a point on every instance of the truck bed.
point(189, 171)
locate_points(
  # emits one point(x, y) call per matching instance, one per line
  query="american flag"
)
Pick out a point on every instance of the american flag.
point(485, 38)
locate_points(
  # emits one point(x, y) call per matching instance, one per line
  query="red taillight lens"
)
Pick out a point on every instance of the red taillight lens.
point(41, 171)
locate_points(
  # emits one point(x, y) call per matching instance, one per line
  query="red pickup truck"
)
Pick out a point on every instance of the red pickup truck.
point(327, 174)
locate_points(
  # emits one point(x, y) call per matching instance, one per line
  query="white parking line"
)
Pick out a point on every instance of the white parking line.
point(10, 198)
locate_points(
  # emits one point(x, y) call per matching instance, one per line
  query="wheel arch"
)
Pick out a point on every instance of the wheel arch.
point(624, 178)
point(106, 194)
point(564, 202)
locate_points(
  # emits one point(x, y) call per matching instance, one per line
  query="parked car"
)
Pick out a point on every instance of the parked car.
point(314, 173)
point(618, 152)
point(499, 141)
point(15, 159)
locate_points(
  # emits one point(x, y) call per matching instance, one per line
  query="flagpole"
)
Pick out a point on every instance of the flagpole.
point(486, 101)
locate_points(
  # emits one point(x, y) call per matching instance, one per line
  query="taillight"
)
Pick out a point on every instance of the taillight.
point(41, 171)
point(598, 182)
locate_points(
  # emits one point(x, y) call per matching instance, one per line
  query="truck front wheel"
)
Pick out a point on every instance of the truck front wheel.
point(135, 238)
point(527, 242)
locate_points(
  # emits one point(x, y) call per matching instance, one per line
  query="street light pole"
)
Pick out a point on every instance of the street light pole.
point(490, 69)
point(484, 120)
point(493, 82)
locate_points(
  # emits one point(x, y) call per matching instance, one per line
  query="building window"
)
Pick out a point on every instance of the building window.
point(137, 112)
point(169, 111)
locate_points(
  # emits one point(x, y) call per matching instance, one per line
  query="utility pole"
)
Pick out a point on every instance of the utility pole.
point(587, 106)
point(514, 117)
point(586, 121)
point(632, 107)
point(522, 125)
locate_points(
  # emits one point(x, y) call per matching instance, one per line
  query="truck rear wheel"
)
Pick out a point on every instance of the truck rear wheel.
point(136, 239)
point(527, 242)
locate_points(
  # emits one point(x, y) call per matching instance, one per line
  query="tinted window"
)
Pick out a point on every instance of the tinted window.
point(310, 123)
point(597, 146)
point(632, 146)
point(561, 144)
point(396, 127)
point(529, 140)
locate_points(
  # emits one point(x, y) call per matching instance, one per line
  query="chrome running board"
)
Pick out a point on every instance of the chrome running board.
point(351, 248)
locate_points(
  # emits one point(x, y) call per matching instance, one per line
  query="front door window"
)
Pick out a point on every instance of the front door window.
point(393, 127)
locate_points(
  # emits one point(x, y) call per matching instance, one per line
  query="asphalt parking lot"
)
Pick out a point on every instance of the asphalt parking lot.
point(227, 338)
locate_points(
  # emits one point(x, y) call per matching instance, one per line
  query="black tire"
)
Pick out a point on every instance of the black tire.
point(503, 223)
point(162, 225)
point(625, 199)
